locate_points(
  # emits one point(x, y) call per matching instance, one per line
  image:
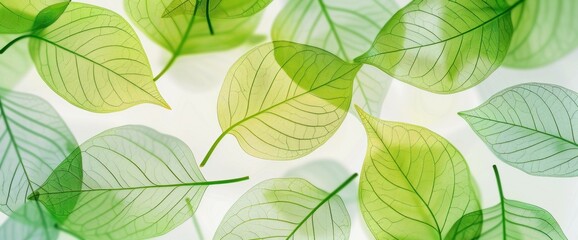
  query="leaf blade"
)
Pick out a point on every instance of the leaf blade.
point(28, 15)
point(414, 184)
point(106, 68)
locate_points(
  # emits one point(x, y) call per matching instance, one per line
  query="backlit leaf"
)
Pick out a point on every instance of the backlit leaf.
point(14, 63)
point(217, 8)
point(30, 221)
point(414, 183)
point(34, 140)
point(92, 58)
point(532, 127)
point(20, 16)
point(443, 46)
point(290, 208)
point(135, 184)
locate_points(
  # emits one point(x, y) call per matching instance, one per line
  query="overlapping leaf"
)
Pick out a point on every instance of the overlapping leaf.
point(30, 221)
point(444, 46)
point(344, 29)
point(288, 208)
point(217, 8)
point(283, 100)
point(414, 183)
point(34, 140)
point(134, 183)
point(170, 32)
point(92, 58)
point(531, 127)
point(509, 219)
point(14, 63)
point(27, 15)
point(544, 31)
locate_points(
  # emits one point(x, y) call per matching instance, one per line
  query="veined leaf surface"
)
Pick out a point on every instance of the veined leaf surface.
point(34, 140)
point(134, 184)
point(27, 15)
point(290, 208)
point(344, 29)
point(169, 32)
point(443, 46)
point(544, 31)
point(509, 219)
point(283, 100)
point(414, 183)
point(531, 127)
point(92, 58)
point(217, 8)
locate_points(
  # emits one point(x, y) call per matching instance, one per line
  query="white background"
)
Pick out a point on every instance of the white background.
point(191, 87)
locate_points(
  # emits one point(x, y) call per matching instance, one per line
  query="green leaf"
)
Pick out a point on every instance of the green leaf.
point(28, 15)
point(531, 127)
point(509, 219)
point(217, 8)
point(134, 184)
point(344, 29)
point(30, 221)
point(170, 32)
point(414, 183)
point(283, 100)
point(443, 46)
point(34, 140)
point(290, 208)
point(545, 31)
point(14, 63)
point(92, 58)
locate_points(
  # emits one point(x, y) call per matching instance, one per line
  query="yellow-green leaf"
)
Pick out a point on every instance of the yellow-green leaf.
point(217, 8)
point(20, 16)
point(92, 58)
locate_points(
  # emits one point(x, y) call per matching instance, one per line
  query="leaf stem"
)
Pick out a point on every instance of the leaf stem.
point(502, 203)
point(210, 152)
point(209, 18)
point(14, 41)
point(195, 222)
point(177, 52)
point(326, 199)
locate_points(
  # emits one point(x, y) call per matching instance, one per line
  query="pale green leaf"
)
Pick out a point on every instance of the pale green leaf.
point(92, 58)
point(34, 140)
point(509, 219)
point(283, 100)
point(443, 46)
point(290, 208)
point(344, 29)
point(20, 16)
point(30, 221)
point(134, 184)
point(14, 63)
point(532, 127)
point(414, 183)
point(217, 8)
point(170, 32)
point(544, 31)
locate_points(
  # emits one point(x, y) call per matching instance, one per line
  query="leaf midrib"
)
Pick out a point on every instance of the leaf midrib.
point(508, 10)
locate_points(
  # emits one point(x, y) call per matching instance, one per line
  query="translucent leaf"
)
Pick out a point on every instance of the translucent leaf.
point(443, 46)
point(414, 183)
point(283, 100)
point(34, 140)
point(217, 8)
point(14, 63)
point(169, 32)
point(544, 31)
point(92, 58)
point(30, 221)
point(26, 15)
point(509, 219)
point(344, 29)
point(289, 208)
point(134, 183)
point(531, 127)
